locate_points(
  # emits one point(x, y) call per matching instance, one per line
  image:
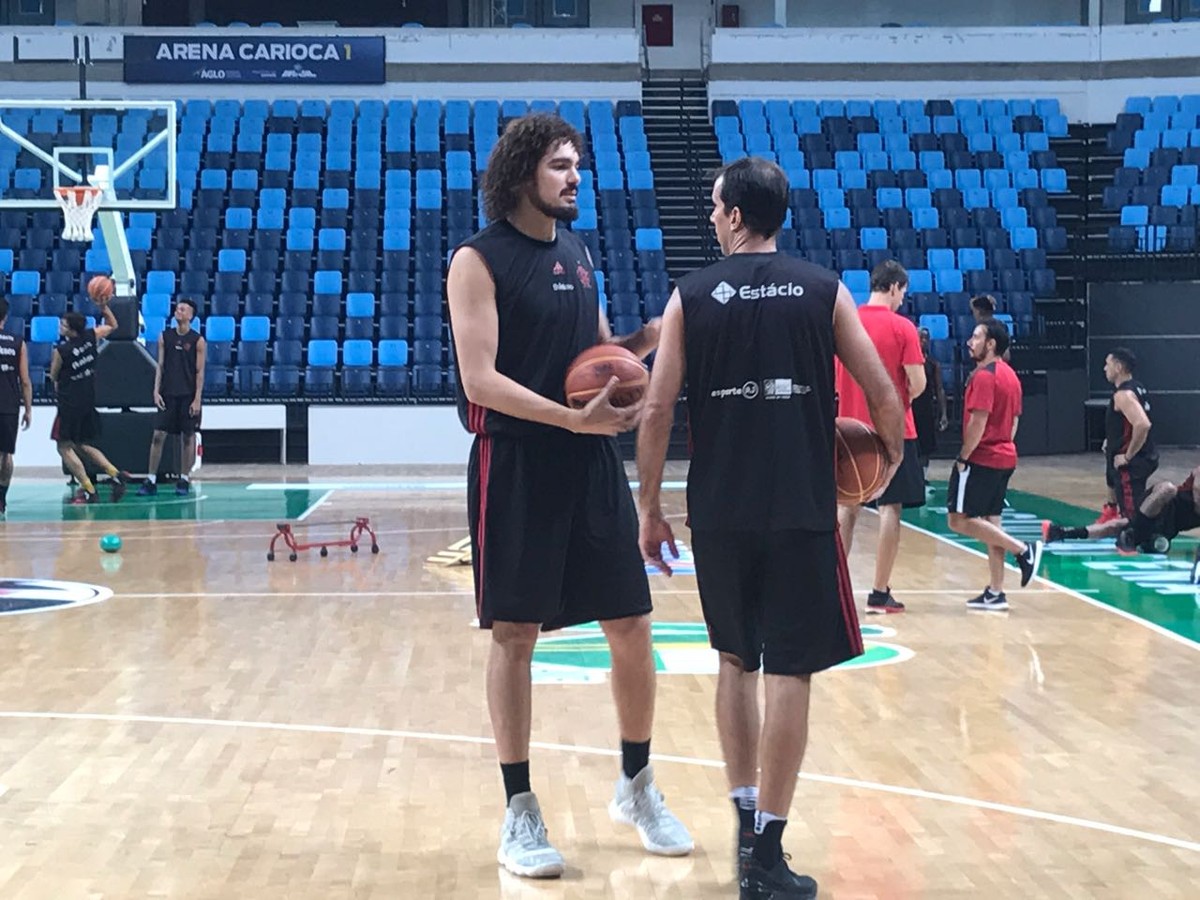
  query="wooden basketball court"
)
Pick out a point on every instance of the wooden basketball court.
point(226, 727)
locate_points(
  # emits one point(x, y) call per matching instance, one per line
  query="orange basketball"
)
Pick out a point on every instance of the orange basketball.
point(101, 288)
point(860, 461)
point(592, 369)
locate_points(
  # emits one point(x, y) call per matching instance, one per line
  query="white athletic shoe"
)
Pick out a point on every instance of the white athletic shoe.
point(638, 802)
point(524, 848)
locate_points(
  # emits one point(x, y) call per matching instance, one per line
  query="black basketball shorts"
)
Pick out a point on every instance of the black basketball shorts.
point(10, 423)
point(176, 419)
point(554, 531)
point(907, 488)
point(76, 425)
point(977, 492)
point(778, 600)
point(1129, 484)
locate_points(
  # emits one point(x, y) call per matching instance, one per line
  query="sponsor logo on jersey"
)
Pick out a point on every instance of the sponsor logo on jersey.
point(724, 292)
point(558, 268)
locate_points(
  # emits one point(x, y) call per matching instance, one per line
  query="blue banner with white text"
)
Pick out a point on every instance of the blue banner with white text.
point(191, 59)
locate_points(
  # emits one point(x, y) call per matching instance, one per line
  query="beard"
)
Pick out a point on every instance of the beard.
point(565, 214)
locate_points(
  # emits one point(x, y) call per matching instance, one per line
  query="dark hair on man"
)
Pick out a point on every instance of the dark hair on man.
point(3, 309)
point(188, 301)
point(76, 322)
point(888, 274)
point(757, 187)
point(514, 160)
point(1126, 357)
point(996, 331)
point(985, 304)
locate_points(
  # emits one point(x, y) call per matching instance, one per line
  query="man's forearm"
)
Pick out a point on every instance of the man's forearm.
point(654, 435)
point(639, 343)
point(503, 395)
point(1137, 440)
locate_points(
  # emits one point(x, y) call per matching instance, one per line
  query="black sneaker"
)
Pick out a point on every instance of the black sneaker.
point(744, 845)
point(1029, 560)
point(119, 486)
point(989, 601)
point(776, 883)
point(1052, 533)
point(1126, 545)
point(880, 602)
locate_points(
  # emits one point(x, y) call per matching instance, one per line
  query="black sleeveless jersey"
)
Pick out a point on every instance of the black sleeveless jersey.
point(76, 378)
point(759, 344)
point(179, 363)
point(549, 313)
point(11, 399)
point(1117, 429)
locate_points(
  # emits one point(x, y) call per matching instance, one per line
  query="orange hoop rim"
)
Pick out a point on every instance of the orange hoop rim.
point(80, 191)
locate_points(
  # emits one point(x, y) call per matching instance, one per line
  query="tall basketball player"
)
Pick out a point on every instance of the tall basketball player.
point(755, 336)
point(895, 338)
point(548, 478)
point(178, 389)
point(15, 390)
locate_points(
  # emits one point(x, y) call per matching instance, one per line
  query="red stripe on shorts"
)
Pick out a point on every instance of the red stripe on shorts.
point(485, 465)
point(846, 595)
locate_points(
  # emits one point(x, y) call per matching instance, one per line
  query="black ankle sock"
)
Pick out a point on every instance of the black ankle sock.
point(516, 779)
point(745, 818)
point(768, 846)
point(1075, 534)
point(3, 493)
point(635, 756)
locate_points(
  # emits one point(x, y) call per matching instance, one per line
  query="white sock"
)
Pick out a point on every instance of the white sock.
point(745, 797)
point(152, 478)
point(762, 819)
point(184, 479)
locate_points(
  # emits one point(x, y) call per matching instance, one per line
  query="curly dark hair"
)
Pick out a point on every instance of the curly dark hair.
point(514, 160)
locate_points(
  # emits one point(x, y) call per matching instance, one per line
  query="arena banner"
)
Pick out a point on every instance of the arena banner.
point(192, 59)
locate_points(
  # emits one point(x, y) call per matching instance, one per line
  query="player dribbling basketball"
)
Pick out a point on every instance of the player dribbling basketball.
point(756, 335)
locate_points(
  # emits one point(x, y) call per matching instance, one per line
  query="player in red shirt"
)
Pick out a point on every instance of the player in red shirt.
point(899, 347)
point(979, 481)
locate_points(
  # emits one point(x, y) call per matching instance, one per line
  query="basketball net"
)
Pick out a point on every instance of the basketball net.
point(79, 205)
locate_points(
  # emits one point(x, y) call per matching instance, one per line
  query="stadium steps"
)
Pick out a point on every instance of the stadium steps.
point(684, 150)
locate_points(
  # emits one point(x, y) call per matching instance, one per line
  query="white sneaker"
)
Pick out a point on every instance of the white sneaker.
point(524, 848)
point(640, 803)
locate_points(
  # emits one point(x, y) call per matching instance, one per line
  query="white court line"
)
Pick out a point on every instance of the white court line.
point(916, 793)
point(656, 592)
point(404, 486)
point(314, 507)
point(1177, 638)
point(253, 525)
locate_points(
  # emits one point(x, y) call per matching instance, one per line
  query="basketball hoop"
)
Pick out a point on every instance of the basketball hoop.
point(79, 205)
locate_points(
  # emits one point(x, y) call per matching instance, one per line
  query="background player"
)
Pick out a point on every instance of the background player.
point(979, 480)
point(15, 391)
point(178, 387)
point(73, 371)
point(553, 525)
point(899, 347)
point(929, 408)
point(1167, 510)
point(1129, 453)
point(772, 576)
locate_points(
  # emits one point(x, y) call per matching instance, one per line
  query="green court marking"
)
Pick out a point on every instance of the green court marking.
point(46, 501)
point(580, 655)
point(1154, 588)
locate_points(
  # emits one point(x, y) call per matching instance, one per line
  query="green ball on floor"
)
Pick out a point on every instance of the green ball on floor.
point(110, 543)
